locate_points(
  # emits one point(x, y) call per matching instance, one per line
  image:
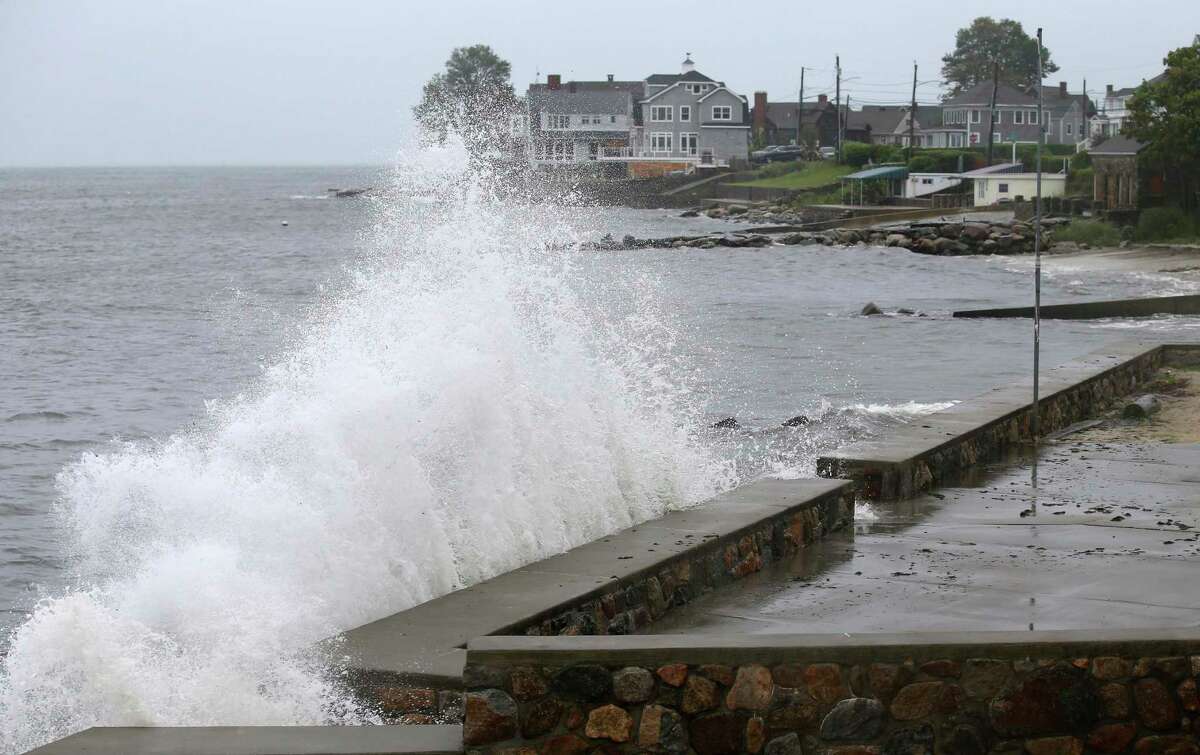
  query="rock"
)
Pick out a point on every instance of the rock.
point(729, 423)
point(756, 735)
point(477, 677)
point(1166, 746)
point(526, 683)
point(1111, 737)
point(690, 214)
point(662, 729)
point(567, 744)
point(788, 744)
point(917, 741)
point(751, 690)
point(1115, 701)
point(1109, 668)
point(951, 231)
point(793, 710)
point(673, 674)
point(824, 682)
point(871, 309)
point(719, 673)
point(885, 679)
point(966, 740)
point(1155, 705)
point(408, 700)
point(1049, 701)
point(1141, 407)
point(699, 694)
point(633, 684)
point(897, 239)
point(586, 683)
point(717, 733)
point(609, 722)
point(941, 668)
point(491, 716)
point(976, 231)
point(540, 717)
point(1054, 746)
point(450, 705)
point(1189, 697)
point(982, 678)
point(798, 421)
point(916, 701)
point(858, 718)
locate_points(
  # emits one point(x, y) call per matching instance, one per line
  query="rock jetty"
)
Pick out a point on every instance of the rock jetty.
point(923, 237)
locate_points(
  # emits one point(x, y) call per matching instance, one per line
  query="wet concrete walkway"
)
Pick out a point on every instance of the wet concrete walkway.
point(1111, 540)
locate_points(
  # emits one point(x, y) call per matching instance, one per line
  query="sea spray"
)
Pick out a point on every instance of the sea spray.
point(465, 404)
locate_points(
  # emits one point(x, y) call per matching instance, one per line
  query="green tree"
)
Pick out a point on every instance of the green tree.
point(1165, 115)
point(987, 41)
point(473, 94)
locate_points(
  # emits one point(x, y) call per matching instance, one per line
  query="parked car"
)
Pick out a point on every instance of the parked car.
point(760, 155)
point(784, 153)
point(828, 153)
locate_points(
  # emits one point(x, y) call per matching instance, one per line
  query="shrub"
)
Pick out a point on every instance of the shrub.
point(856, 153)
point(775, 170)
point(1079, 182)
point(923, 164)
point(1091, 232)
point(1165, 223)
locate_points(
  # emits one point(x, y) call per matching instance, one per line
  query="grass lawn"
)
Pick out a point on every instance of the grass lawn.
point(810, 176)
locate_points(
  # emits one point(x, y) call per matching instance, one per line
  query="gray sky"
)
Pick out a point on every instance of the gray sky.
point(122, 82)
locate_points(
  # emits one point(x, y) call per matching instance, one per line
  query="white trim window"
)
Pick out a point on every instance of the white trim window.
point(722, 113)
point(1069, 124)
point(555, 121)
point(1018, 117)
point(996, 116)
point(689, 143)
point(685, 113)
point(660, 142)
point(976, 116)
point(1033, 119)
point(662, 113)
point(694, 88)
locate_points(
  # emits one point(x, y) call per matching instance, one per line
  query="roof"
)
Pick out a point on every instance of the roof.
point(881, 171)
point(1057, 104)
point(583, 100)
point(876, 118)
point(666, 79)
point(1117, 145)
point(993, 170)
point(981, 94)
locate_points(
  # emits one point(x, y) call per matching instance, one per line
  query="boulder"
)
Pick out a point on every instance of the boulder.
point(798, 421)
point(871, 309)
point(951, 230)
point(898, 239)
point(1141, 407)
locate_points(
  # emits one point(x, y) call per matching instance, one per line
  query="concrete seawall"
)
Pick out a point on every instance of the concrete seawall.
point(1188, 304)
point(920, 456)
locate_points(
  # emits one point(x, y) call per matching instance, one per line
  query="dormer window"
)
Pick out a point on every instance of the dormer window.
point(694, 88)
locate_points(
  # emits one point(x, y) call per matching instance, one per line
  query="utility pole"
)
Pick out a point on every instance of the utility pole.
point(838, 91)
point(1037, 266)
point(800, 107)
point(912, 114)
point(992, 110)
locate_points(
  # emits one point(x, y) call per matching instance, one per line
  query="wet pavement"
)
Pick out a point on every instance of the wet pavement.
point(1111, 539)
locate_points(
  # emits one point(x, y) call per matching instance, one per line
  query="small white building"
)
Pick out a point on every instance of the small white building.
point(1007, 187)
point(924, 184)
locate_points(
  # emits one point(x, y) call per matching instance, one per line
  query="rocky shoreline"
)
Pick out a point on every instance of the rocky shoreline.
point(923, 237)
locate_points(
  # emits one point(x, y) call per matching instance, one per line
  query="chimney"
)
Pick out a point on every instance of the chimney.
point(822, 99)
point(554, 81)
point(610, 78)
point(571, 87)
point(1108, 89)
point(1062, 89)
point(760, 113)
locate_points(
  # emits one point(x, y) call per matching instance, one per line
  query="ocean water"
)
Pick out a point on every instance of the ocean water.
point(223, 438)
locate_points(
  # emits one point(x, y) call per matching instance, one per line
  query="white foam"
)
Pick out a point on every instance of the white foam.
point(466, 404)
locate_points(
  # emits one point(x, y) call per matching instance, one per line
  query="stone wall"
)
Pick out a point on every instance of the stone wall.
point(626, 605)
point(1023, 693)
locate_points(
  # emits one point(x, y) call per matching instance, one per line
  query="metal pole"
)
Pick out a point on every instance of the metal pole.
point(912, 113)
point(992, 111)
point(838, 90)
point(1037, 264)
point(800, 107)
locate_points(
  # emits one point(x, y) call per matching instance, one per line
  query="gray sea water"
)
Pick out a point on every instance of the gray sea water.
point(130, 297)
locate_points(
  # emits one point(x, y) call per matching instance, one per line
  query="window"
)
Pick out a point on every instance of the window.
point(688, 143)
point(612, 119)
point(956, 140)
point(694, 88)
point(661, 142)
point(1018, 117)
point(1033, 117)
point(995, 116)
point(661, 113)
point(975, 116)
point(722, 113)
point(558, 121)
point(1002, 188)
point(1069, 129)
point(685, 112)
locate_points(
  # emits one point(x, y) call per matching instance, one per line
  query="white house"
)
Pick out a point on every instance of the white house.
point(1007, 187)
